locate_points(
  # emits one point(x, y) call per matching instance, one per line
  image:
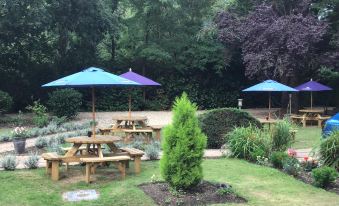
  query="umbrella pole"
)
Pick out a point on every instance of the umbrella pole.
point(290, 99)
point(93, 112)
point(269, 105)
point(129, 105)
point(311, 100)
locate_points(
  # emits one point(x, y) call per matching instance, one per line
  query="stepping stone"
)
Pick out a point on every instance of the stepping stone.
point(79, 195)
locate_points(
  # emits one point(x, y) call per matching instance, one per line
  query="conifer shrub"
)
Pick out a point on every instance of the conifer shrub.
point(183, 147)
point(217, 123)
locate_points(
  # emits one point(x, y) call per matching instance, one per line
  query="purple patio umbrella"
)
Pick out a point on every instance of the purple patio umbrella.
point(141, 80)
point(312, 86)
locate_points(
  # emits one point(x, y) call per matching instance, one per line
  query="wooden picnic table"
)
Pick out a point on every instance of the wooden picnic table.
point(126, 122)
point(312, 111)
point(314, 114)
point(268, 121)
point(96, 142)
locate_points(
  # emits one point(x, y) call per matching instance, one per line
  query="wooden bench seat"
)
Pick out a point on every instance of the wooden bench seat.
point(53, 161)
point(91, 164)
point(157, 129)
point(321, 119)
point(297, 118)
point(136, 155)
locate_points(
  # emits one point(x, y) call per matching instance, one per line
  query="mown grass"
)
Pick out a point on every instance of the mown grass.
point(259, 185)
point(308, 137)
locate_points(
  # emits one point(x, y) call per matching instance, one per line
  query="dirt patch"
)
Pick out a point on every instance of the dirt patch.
point(203, 194)
point(306, 177)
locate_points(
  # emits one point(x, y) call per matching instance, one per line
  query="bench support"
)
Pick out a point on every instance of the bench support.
point(55, 170)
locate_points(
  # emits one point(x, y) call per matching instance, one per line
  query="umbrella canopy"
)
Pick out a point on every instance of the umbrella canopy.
point(91, 77)
point(269, 86)
point(312, 86)
point(143, 81)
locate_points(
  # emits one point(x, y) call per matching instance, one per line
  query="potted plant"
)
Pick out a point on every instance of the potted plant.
point(19, 139)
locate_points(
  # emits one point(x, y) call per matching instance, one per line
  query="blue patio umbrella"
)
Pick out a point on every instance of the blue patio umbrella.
point(91, 77)
point(269, 86)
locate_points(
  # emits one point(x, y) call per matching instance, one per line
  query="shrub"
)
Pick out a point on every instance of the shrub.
point(291, 166)
point(219, 122)
point(329, 150)
point(281, 136)
point(249, 143)
point(8, 162)
point(40, 117)
point(6, 102)
point(277, 159)
point(65, 102)
point(58, 120)
point(41, 142)
point(32, 161)
point(152, 151)
point(323, 176)
point(183, 146)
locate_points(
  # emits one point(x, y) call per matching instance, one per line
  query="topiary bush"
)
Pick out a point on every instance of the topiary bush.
point(281, 136)
point(219, 122)
point(277, 159)
point(329, 150)
point(6, 102)
point(249, 143)
point(65, 102)
point(183, 146)
point(323, 176)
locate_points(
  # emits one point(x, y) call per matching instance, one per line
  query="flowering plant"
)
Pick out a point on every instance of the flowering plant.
point(19, 132)
point(292, 153)
point(309, 164)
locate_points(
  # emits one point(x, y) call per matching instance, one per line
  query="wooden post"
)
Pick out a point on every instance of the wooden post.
point(93, 112)
point(122, 169)
point(137, 164)
point(55, 170)
point(129, 104)
point(48, 167)
point(88, 173)
point(269, 105)
point(311, 100)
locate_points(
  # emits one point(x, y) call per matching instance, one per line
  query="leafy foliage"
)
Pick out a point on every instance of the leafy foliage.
point(281, 136)
point(153, 151)
point(329, 150)
point(278, 158)
point(219, 122)
point(249, 143)
point(323, 176)
point(183, 147)
point(40, 117)
point(6, 102)
point(8, 162)
point(291, 166)
point(65, 102)
point(32, 161)
point(278, 38)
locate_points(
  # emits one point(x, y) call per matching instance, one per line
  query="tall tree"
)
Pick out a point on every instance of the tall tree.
point(278, 40)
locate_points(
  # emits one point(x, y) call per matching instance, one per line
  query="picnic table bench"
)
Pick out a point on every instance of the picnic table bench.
point(304, 118)
point(92, 162)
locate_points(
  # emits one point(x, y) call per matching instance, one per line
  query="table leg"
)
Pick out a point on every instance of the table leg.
point(88, 173)
point(100, 154)
point(113, 148)
point(73, 150)
point(55, 170)
point(137, 164)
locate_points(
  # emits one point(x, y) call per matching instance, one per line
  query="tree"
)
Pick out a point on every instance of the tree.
point(278, 39)
point(183, 147)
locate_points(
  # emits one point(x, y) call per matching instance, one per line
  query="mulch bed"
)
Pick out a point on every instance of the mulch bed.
point(203, 194)
point(306, 177)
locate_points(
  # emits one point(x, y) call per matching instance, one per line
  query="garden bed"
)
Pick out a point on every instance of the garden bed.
point(204, 193)
point(306, 177)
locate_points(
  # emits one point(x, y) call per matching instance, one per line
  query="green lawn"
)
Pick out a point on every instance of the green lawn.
point(308, 137)
point(260, 185)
